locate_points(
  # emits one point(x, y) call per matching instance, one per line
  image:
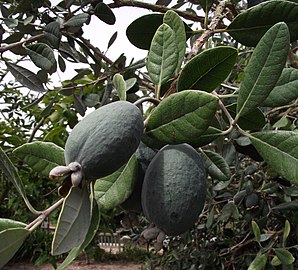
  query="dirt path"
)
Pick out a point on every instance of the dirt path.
point(79, 265)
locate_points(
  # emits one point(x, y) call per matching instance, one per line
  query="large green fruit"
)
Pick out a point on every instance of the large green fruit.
point(105, 139)
point(174, 189)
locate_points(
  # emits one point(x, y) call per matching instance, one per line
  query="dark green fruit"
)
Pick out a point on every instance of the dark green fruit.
point(105, 139)
point(144, 156)
point(174, 189)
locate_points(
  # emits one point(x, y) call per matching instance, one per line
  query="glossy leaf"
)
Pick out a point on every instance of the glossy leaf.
point(264, 69)
point(73, 222)
point(163, 56)
point(78, 20)
point(207, 70)
point(112, 39)
point(284, 256)
point(104, 13)
point(182, 117)
point(75, 252)
point(10, 242)
point(249, 26)
point(42, 56)
point(256, 230)
point(259, 262)
point(120, 86)
point(42, 157)
point(253, 120)
point(293, 205)
point(285, 90)
point(141, 31)
point(280, 150)
point(53, 34)
point(26, 77)
point(6, 223)
point(173, 20)
point(11, 173)
point(216, 166)
point(114, 189)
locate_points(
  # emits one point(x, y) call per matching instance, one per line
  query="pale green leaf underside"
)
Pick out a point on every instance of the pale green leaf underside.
point(12, 175)
point(248, 27)
point(75, 252)
point(77, 20)
point(182, 117)
point(216, 166)
point(26, 77)
point(163, 56)
point(173, 20)
point(280, 150)
point(285, 90)
point(73, 222)
point(42, 56)
point(259, 262)
point(264, 68)
point(208, 69)
point(10, 241)
point(120, 86)
point(42, 157)
point(284, 256)
point(6, 223)
point(114, 189)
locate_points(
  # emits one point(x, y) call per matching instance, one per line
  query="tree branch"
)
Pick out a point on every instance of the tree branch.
point(20, 43)
point(157, 8)
point(218, 16)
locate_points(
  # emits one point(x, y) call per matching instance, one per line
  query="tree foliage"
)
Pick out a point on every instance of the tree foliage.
point(224, 82)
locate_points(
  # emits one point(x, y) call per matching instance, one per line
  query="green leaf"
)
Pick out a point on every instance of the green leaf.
point(264, 68)
point(6, 223)
point(285, 90)
point(114, 189)
point(256, 230)
point(253, 120)
point(11, 173)
point(259, 262)
point(249, 26)
point(10, 241)
point(26, 77)
point(280, 150)
point(162, 57)
point(41, 156)
point(286, 232)
point(73, 222)
point(173, 20)
point(42, 56)
point(293, 205)
point(120, 86)
point(207, 70)
point(53, 34)
point(206, 4)
point(104, 13)
point(182, 117)
point(77, 20)
point(141, 31)
point(75, 252)
point(216, 165)
point(284, 256)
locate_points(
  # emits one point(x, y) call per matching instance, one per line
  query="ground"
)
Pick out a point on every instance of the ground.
point(79, 265)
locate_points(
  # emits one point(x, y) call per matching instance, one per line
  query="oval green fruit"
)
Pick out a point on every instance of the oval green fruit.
point(105, 139)
point(174, 189)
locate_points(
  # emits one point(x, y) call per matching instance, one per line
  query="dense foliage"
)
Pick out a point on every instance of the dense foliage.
point(224, 82)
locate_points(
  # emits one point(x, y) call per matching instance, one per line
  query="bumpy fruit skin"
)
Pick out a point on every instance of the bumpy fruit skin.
point(174, 189)
point(105, 139)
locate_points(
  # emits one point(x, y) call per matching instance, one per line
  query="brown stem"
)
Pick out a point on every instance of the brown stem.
point(157, 8)
point(150, 99)
point(218, 16)
point(20, 43)
point(38, 125)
